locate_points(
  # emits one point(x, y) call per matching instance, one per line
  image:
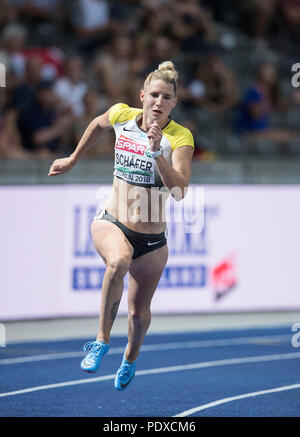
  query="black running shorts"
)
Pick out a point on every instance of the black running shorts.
point(141, 243)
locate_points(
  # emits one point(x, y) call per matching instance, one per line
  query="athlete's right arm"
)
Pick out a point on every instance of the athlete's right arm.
point(87, 140)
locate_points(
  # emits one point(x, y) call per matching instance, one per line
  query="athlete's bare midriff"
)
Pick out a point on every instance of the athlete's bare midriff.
point(140, 209)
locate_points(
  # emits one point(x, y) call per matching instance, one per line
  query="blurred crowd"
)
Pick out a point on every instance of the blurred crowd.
point(67, 61)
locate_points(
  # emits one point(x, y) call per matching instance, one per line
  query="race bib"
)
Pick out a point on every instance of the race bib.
point(133, 161)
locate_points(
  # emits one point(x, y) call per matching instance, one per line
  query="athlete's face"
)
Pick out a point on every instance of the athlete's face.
point(158, 101)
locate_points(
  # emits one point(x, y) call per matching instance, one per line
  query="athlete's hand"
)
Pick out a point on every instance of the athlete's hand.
point(61, 166)
point(155, 135)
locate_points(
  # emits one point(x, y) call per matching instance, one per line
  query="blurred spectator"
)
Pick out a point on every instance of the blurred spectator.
point(92, 23)
point(14, 54)
point(155, 19)
point(92, 108)
point(126, 16)
point(52, 60)
point(161, 48)
point(13, 42)
point(10, 140)
point(41, 126)
point(42, 15)
point(289, 30)
point(296, 97)
point(9, 13)
point(257, 18)
point(133, 95)
point(214, 86)
point(148, 55)
point(222, 91)
point(263, 14)
point(38, 10)
point(23, 94)
point(187, 24)
point(223, 11)
point(199, 152)
point(260, 101)
point(193, 26)
point(290, 10)
point(140, 61)
point(112, 69)
point(71, 88)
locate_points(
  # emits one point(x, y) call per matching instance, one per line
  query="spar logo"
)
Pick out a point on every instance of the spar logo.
point(128, 145)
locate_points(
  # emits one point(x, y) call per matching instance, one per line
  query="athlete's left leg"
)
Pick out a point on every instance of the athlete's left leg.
point(144, 275)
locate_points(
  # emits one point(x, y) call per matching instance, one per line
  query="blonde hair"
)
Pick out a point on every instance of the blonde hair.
point(165, 71)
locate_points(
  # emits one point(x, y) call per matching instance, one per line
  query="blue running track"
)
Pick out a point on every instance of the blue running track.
point(240, 373)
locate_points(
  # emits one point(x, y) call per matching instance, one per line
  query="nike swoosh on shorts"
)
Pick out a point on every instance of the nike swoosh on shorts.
point(151, 244)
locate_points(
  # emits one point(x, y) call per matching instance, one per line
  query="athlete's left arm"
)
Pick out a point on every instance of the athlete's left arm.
point(176, 177)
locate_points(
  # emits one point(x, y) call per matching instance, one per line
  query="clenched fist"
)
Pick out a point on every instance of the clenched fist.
point(61, 166)
point(155, 135)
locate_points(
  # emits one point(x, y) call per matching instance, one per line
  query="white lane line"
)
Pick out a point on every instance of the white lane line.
point(155, 347)
point(193, 366)
point(57, 385)
point(236, 398)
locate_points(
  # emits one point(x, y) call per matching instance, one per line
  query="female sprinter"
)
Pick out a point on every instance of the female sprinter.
point(153, 156)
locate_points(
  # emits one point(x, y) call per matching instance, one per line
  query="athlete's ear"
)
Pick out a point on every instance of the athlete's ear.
point(142, 96)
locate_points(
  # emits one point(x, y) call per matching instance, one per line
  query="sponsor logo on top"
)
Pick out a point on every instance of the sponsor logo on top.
point(129, 145)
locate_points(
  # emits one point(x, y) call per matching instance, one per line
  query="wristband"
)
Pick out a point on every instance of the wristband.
point(155, 154)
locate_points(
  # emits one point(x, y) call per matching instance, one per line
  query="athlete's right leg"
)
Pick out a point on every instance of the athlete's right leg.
point(116, 251)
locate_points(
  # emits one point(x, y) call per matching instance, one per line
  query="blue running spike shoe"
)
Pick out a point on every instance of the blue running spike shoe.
point(91, 361)
point(124, 375)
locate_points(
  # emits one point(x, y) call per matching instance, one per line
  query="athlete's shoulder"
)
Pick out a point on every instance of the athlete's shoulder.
point(120, 113)
point(178, 135)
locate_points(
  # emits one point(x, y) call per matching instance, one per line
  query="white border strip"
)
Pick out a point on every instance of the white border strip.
point(259, 340)
point(236, 398)
point(206, 364)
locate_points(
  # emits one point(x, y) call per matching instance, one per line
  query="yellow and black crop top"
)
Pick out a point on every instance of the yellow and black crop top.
point(133, 164)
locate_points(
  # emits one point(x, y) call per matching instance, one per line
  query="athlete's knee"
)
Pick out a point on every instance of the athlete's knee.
point(139, 314)
point(119, 266)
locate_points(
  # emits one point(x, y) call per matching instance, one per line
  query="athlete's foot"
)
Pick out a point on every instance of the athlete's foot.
point(91, 361)
point(124, 375)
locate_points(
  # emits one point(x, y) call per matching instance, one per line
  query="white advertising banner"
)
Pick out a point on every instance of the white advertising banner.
point(231, 248)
